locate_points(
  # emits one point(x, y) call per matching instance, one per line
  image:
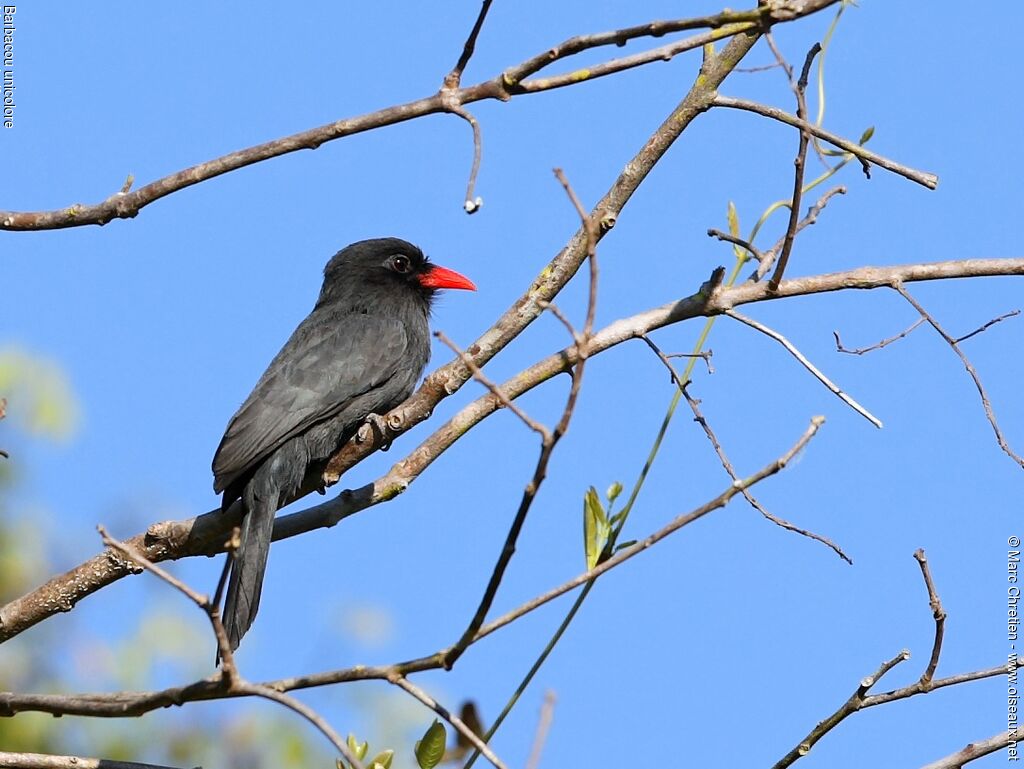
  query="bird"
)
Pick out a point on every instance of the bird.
point(357, 355)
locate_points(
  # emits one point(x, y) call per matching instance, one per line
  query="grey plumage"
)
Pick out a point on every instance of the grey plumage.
point(359, 352)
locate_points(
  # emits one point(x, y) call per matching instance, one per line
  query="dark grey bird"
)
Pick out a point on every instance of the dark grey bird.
point(359, 353)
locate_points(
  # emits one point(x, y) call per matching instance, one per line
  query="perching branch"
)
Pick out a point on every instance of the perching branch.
point(205, 534)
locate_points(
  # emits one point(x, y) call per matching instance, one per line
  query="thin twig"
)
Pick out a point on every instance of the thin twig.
point(768, 258)
point(880, 345)
point(299, 707)
point(483, 379)
point(752, 70)
point(624, 554)
point(206, 534)
point(547, 712)
point(938, 613)
point(1010, 314)
point(472, 203)
point(700, 419)
point(753, 250)
point(450, 96)
point(505, 85)
point(549, 439)
point(851, 706)
point(798, 175)
point(562, 318)
point(807, 365)
point(457, 723)
point(780, 60)
point(211, 609)
point(454, 78)
point(929, 180)
point(704, 355)
point(231, 681)
point(989, 413)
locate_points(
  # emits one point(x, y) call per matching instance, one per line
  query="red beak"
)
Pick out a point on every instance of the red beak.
point(442, 277)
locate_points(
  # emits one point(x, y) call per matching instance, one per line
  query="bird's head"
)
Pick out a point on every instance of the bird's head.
point(386, 268)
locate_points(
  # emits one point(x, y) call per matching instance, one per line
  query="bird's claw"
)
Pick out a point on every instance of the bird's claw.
point(374, 424)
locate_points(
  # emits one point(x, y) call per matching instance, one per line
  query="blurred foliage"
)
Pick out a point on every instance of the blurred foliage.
point(42, 406)
point(39, 396)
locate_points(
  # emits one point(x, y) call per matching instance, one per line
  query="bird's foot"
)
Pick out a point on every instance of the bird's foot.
point(375, 425)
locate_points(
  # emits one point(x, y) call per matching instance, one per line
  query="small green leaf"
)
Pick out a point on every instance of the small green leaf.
point(734, 220)
point(430, 750)
point(734, 230)
point(596, 528)
point(621, 545)
point(866, 136)
point(382, 760)
point(613, 492)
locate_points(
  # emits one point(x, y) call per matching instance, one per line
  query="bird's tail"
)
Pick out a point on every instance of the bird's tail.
point(249, 564)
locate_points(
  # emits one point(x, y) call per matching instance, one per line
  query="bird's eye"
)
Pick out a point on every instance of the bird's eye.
point(401, 264)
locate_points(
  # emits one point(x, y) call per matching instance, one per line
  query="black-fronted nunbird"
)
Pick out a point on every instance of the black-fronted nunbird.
point(358, 354)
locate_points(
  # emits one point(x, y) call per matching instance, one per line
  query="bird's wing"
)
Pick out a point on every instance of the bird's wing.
point(326, 363)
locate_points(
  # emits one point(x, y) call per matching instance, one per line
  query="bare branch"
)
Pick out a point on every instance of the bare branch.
point(549, 440)
point(230, 680)
point(472, 202)
point(851, 706)
point(737, 487)
point(735, 24)
point(454, 78)
point(931, 181)
point(860, 699)
point(880, 345)
point(749, 247)
point(798, 175)
point(699, 418)
point(938, 613)
point(206, 534)
point(766, 260)
point(972, 752)
point(483, 379)
point(314, 718)
point(129, 704)
point(989, 413)
point(1001, 318)
point(807, 365)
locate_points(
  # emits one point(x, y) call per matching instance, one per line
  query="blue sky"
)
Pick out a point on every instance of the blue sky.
point(726, 643)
